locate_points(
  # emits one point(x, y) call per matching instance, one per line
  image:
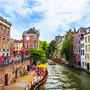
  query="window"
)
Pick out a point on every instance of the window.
point(89, 48)
point(27, 38)
point(82, 45)
point(79, 49)
point(7, 44)
point(27, 45)
point(78, 35)
point(87, 56)
point(0, 28)
point(81, 52)
point(34, 38)
point(3, 46)
point(19, 47)
point(0, 42)
point(74, 49)
point(82, 39)
point(34, 45)
point(85, 39)
point(86, 48)
point(4, 30)
point(76, 42)
point(88, 38)
point(8, 31)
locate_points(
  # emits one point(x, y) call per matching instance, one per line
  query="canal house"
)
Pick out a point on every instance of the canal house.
point(87, 48)
point(77, 46)
point(4, 36)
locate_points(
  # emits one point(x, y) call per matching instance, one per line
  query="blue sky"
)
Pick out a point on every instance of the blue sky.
point(51, 17)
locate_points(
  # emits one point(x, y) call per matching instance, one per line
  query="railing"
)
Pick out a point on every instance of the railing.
point(12, 62)
point(37, 81)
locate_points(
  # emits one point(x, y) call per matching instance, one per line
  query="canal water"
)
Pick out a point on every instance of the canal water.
point(61, 77)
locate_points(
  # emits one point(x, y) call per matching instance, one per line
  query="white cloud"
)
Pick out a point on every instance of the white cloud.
point(57, 14)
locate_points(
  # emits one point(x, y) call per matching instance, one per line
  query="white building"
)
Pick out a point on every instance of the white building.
point(82, 52)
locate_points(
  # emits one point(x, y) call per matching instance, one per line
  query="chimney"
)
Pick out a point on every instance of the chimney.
point(33, 28)
point(74, 30)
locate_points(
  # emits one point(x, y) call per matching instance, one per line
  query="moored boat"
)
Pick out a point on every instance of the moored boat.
point(51, 63)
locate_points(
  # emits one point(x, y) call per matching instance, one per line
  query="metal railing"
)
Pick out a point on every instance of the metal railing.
point(37, 81)
point(12, 62)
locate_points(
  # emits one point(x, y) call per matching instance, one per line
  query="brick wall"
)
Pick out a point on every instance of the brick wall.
point(11, 72)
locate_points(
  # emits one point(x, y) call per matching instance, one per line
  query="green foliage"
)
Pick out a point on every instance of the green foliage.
point(22, 73)
point(43, 45)
point(52, 47)
point(44, 60)
point(67, 46)
point(37, 54)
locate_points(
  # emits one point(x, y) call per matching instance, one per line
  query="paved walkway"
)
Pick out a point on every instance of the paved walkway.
point(22, 82)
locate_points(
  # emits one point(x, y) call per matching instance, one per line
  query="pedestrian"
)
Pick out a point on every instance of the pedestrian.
point(30, 68)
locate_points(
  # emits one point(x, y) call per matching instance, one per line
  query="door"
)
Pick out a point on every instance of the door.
point(28, 68)
point(16, 74)
point(6, 79)
point(75, 62)
point(87, 66)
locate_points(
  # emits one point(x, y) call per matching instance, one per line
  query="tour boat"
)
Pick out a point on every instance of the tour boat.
point(51, 63)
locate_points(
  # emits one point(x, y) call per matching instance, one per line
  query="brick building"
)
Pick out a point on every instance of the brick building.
point(4, 36)
point(18, 45)
point(30, 39)
point(77, 46)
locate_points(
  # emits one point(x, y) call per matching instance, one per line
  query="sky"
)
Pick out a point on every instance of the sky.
point(51, 17)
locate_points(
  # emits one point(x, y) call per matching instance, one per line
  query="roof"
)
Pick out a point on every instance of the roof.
point(17, 41)
point(81, 30)
point(1, 18)
point(31, 31)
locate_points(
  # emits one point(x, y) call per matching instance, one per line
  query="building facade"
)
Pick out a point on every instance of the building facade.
point(30, 39)
point(82, 52)
point(4, 36)
point(87, 49)
point(58, 42)
point(18, 45)
point(77, 46)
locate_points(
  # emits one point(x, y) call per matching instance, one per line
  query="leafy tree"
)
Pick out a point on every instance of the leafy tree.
point(43, 45)
point(37, 54)
point(67, 46)
point(52, 47)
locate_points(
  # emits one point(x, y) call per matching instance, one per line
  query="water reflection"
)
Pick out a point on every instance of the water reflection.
point(65, 78)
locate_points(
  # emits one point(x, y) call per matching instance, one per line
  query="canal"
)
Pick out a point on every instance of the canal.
point(66, 78)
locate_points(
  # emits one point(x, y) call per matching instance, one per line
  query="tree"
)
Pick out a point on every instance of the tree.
point(52, 47)
point(67, 46)
point(43, 45)
point(37, 54)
